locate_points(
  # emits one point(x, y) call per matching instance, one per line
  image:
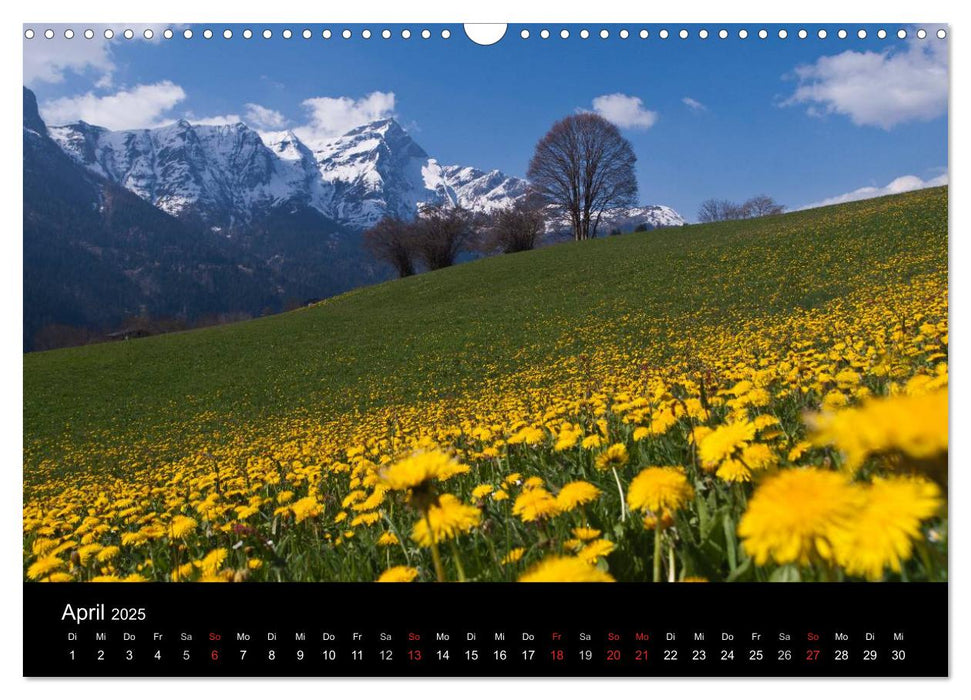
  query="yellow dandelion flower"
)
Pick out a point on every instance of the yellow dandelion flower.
point(365, 519)
point(881, 535)
point(388, 539)
point(591, 442)
point(733, 471)
point(574, 494)
point(534, 504)
point(796, 514)
point(595, 550)
point(565, 569)
point(58, 577)
point(530, 435)
point(210, 563)
point(353, 497)
point(180, 526)
point(513, 555)
point(565, 440)
point(42, 545)
point(181, 573)
point(108, 553)
point(914, 425)
point(586, 533)
point(764, 421)
point(481, 491)
point(44, 566)
point(420, 468)
point(306, 507)
point(659, 489)
point(613, 457)
point(86, 552)
point(722, 442)
point(398, 574)
point(798, 450)
point(448, 518)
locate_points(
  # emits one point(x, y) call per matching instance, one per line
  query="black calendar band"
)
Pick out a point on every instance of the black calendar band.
point(348, 630)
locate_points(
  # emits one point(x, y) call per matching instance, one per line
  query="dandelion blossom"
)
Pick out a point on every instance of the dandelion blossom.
point(421, 467)
point(798, 513)
point(535, 504)
point(565, 569)
point(44, 566)
point(448, 519)
point(180, 526)
point(210, 563)
point(914, 425)
point(306, 507)
point(387, 539)
point(723, 441)
point(586, 533)
point(514, 555)
point(575, 494)
point(613, 457)
point(398, 574)
point(882, 534)
point(595, 550)
point(659, 490)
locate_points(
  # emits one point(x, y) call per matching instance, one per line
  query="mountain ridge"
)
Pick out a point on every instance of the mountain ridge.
point(230, 174)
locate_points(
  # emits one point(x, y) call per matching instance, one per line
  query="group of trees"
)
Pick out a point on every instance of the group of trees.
point(441, 233)
point(580, 169)
point(435, 238)
point(725, 210)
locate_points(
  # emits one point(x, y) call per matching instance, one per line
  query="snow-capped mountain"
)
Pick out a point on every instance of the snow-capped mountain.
point(651, 217)
point(623, 219)
point(230, 175)
point(220, 173)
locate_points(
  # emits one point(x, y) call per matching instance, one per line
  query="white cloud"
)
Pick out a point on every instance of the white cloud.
point(138, 107)
point(693, 104)
point(262, 117)
point(48, 60)
point(880, 89)
point(334, 116)
point(905, 183)
point(625, 111)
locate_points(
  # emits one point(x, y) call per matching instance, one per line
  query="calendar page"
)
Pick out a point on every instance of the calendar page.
point(621, 348)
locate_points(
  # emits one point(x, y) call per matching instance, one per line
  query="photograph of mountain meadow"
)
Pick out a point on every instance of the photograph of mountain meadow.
point(579, 303)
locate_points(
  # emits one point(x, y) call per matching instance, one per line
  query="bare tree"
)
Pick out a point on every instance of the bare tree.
point(762, 205)
point(726, 210)
point(516, 228)
point(442, 232)
point(393, 241)
point(583, 167)
point(709, 211)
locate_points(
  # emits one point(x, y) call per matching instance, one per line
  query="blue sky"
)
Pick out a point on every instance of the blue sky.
point(804, 120)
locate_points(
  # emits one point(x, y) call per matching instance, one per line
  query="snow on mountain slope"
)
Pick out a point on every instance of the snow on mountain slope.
point(472, 188)
point(654, 216)
point(230, 175)
point(223, 174)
